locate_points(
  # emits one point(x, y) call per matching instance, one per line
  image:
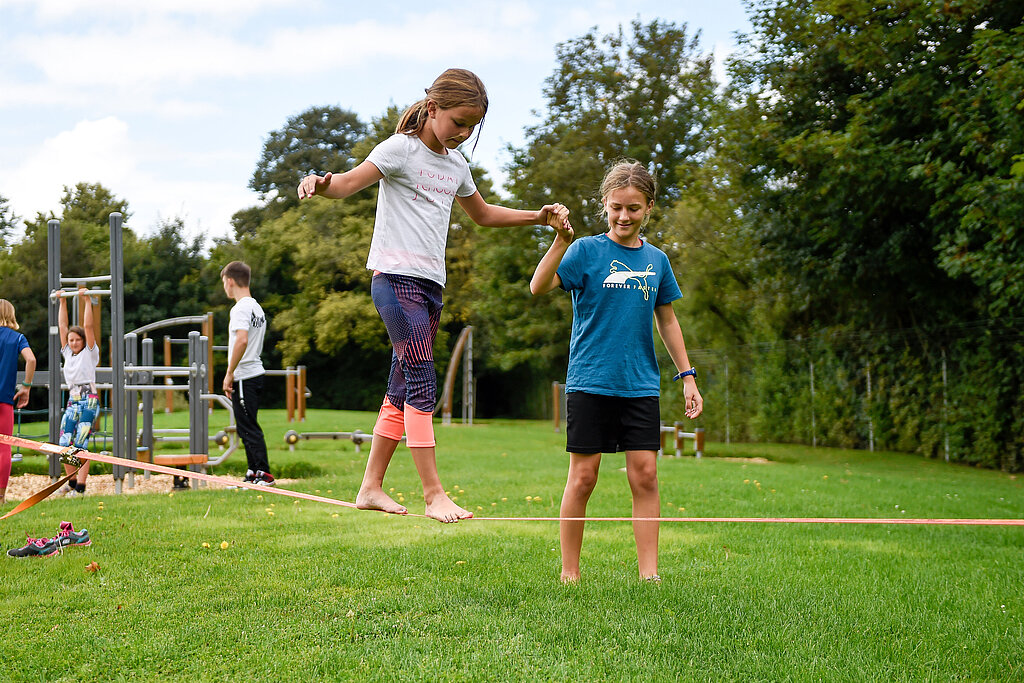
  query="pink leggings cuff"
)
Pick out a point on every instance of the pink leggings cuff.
point(390, 422)
point(419, 428)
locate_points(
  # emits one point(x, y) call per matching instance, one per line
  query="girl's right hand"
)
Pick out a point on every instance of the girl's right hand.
point(564, 231)
point(311, 185)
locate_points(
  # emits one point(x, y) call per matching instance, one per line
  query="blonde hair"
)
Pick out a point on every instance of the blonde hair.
point(453, 88)
point(7, 317)
point(629, 173)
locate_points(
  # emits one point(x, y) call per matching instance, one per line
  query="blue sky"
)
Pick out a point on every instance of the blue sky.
point(167, 102)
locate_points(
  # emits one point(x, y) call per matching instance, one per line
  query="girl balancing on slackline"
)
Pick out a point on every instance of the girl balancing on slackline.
point(420, 175)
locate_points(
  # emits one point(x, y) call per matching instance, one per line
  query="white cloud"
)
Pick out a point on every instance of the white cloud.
point(55, 10)
point(92, 151)
point(104, 151)
point(68, 67)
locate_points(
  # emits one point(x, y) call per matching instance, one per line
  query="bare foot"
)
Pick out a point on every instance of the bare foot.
point(376, 499)
point(445, 511)
point(570, 579)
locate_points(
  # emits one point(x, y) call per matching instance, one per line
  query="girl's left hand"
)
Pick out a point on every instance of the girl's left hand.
point(555, 216)
point(693, 402)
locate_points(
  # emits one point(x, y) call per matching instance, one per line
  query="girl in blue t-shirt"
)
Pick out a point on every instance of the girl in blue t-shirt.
point(618, 283)
point(12, 345)
point(420, 175)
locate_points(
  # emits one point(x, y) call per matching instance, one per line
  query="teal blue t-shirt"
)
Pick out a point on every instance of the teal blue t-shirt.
point(614, 291)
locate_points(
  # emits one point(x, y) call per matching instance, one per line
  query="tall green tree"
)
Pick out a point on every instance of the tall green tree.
point(163, 276)
point(319, 139)
point(646, 93)
point(9, 221)
point(866, 130)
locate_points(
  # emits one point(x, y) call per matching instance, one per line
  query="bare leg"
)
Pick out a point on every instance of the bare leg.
point(371, 494)
point(583, 471)
point(642, 472)
point(439, 505)
point(3, 496)
point(83, 472)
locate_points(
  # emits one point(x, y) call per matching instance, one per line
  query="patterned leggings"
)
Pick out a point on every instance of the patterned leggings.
point(77, 421)
point(411, 310)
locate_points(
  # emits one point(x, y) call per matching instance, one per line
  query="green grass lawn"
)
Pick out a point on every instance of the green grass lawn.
point(306, 591)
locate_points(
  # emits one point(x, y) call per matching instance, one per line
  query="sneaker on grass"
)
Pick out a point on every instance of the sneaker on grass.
point(36, 547)
point(68, 536)
point(264, 479)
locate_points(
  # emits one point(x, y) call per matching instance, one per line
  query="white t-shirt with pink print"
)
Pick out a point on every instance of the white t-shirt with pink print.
point(414, 206)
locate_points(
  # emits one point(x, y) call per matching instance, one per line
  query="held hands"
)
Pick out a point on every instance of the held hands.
point(313, 185)
point(557, 217)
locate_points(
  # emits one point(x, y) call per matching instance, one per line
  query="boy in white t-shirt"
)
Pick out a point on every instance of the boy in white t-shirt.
point(243, 381)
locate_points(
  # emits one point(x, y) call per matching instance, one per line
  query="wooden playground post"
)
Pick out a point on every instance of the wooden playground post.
point(289, 393)
point(301, 390)
point(169, 394)
point(557, 404)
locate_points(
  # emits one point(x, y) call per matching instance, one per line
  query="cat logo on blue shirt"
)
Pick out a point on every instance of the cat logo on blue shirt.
point(620, 278)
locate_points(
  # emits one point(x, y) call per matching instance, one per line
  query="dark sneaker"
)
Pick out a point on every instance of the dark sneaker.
point(36, 547)
point(68, 536)
point(264, 479)
point(250, 477)
point(180, 483)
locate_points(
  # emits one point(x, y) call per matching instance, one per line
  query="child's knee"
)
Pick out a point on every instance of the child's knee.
point(582, 481)
point(643, 476)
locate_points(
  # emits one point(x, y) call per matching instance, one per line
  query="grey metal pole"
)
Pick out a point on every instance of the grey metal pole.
point(131, 359)
point(202, 438)
point(147, 404)
point(194, 390)
point(117, 398)
point(198, 441)
point(53, 283)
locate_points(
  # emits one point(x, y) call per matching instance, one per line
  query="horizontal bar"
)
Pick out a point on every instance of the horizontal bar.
point(76, 280)
point(168, 371)
point(68, 294)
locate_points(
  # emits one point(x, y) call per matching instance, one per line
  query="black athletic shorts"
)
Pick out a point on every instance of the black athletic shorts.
point(608, 424)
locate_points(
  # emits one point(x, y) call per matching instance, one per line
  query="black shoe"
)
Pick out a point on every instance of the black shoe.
point(180, 483)
point(67, 535)
point(250, 477)
point(36, 547)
